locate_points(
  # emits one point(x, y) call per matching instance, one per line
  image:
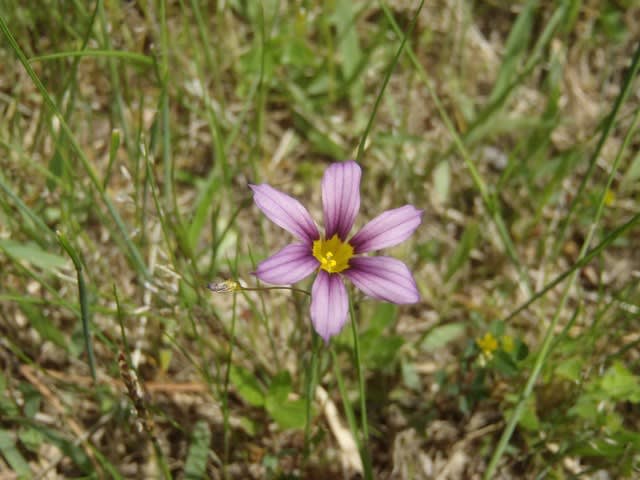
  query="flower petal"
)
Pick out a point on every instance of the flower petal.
point(387, 229)
point(290, 265)
point(285, 211)
point(329, 304)
point(340, 197)
point(384, 278)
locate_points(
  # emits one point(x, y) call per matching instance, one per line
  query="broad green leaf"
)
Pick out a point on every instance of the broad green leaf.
point(586, 407)
point(30, 252)
point(12, 455)
point(505, 364)
point(31, 438)
point(384, 316)
point(280, 387)
point(288, 415)
point(380, 351)
point(440, 336)
point(196, 463)
point(529, 418)
point(410, 376)
point(570, 369)
point(247, 385)
point(620, 384)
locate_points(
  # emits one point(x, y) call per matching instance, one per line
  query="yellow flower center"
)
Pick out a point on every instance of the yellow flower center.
point(333, 254)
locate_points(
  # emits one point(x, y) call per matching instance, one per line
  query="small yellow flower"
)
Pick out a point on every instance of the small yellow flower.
point(507, 343)
point(488, 344)
point(609, 198)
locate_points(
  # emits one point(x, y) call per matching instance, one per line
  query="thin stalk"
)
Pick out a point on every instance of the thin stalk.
point(225, 396)
point(85, 314)
point(387, 76)
point(132, 57)
point(362, 387)
point(312, 380)
point(590, 255)
point(549, 336)
point(348, 411)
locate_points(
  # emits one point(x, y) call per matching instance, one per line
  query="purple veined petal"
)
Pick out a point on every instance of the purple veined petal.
point(340, 197)
point(387, 229)
point(329, 304)
point(290, 265)
point(384, 278)
point(285, 211)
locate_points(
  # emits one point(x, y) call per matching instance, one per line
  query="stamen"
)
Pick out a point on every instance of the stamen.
point(333, 254)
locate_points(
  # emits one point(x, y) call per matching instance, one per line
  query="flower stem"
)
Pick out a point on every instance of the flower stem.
point(364, 448)
point(226, 435)
point(312, 379)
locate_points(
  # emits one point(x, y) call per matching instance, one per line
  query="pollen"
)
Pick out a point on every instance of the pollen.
point(333, 254)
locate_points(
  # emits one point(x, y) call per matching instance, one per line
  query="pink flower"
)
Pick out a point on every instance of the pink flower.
point(332, 255)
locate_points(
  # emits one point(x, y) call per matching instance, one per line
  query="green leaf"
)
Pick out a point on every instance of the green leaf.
point(279, 388)
point(31, 439)
point(12, 455)
point(515, 49)
point(380, 351)
point(570, 369)
point(410, 376)
point(30, 252)
point(529, 418)
point(505, 364)
point(586, 407)
point(288, 415)
point(440, 336)
point(620, 384)
point(247, 385)
point(383, 317)
point(196, 463)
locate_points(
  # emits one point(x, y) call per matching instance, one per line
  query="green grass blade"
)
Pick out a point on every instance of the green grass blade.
point(12, 455)
point(390, 69)
point(113, 151)
point(45, 231)
point(550, 334)
point(585, 260)
point(85, 314)
point(606, 131)
point(117, 54)
point(515, 48)
point(490, 201)
point(134, 253)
